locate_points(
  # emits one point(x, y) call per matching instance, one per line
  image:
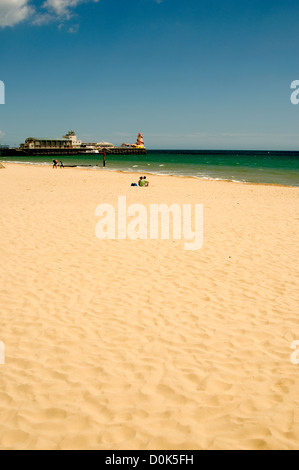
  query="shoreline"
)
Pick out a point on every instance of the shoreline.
point(92, 168)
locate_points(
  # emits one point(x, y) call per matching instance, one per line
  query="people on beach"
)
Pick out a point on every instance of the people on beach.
point(143, 182)
point(55, 164)
point(61, 165)
point(104, 160)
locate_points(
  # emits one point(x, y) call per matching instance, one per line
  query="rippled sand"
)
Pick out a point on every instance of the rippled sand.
point(141, 344)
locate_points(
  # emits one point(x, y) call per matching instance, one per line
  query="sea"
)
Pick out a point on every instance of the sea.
point(263, 167)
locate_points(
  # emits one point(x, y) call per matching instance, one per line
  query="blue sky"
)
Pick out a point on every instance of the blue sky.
point(195, 74)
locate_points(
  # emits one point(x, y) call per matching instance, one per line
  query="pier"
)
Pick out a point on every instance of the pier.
point(69, 145)
point(15, 152)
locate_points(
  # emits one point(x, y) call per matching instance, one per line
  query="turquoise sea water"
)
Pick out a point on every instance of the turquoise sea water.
point(255, 167)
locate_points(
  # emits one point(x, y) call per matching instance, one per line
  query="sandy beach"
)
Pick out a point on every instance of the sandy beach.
point(123, 344)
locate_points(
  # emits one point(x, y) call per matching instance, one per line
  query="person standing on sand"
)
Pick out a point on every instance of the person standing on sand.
point(55, 163)
point(104, 160)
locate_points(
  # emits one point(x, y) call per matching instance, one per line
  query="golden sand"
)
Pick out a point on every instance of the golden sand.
point(126, 344)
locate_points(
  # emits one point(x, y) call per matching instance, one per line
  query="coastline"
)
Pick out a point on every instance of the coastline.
point(140, 344)
point(147, 173)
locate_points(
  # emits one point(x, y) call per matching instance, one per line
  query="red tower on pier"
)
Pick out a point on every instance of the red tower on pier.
point(140, 142)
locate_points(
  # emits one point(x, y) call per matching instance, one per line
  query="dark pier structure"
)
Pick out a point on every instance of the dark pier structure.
point(69, 145)
point(16, 152)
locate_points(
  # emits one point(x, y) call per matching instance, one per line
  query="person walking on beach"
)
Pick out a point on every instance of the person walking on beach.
point(55, 164)
point(61, 165)
point(104, 160)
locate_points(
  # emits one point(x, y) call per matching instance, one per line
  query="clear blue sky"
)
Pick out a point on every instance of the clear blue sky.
point(193, 74)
